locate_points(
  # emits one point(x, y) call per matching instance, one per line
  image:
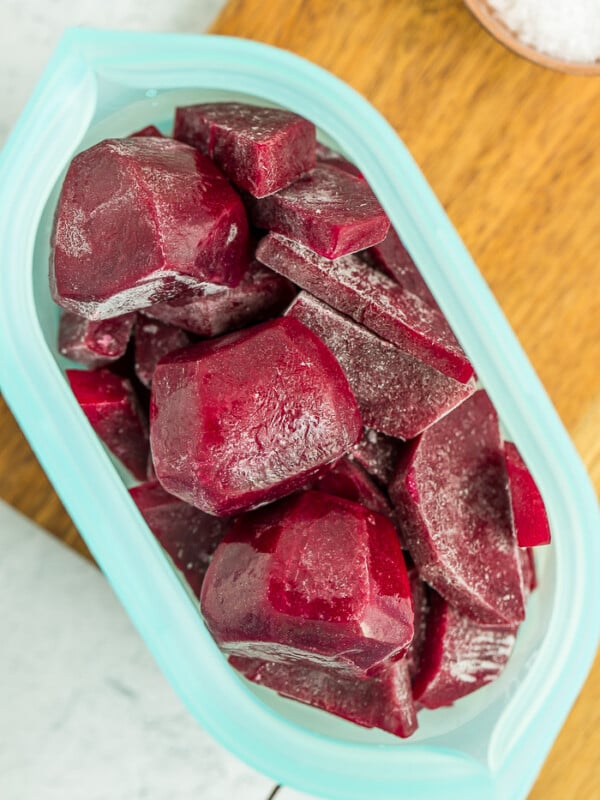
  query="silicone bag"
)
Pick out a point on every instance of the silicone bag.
point(489, 745)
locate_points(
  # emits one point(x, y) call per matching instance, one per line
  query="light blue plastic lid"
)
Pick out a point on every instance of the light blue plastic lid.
point(490, 744)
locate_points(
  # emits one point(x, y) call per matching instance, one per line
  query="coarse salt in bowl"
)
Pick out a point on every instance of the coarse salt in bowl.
point(490, 744)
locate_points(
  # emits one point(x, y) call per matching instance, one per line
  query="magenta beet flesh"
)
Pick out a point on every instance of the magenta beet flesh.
point(149, 130)
point(261, 150)
point(325, 155)
point(188, 535)
point(329, 211)
point(380, 701)
point(458, 656)
point(249, 417)
point(530, 521)
point(451, 496)
point(153, 341)
point(373, 300)
point(377, 454)
point(397, 394)
point(141, 220)
point(349, 480)
point(110, 405)
point(420, 598)
point(261, 294)
point(315, 579)
point(392, 257)
point(94, 344)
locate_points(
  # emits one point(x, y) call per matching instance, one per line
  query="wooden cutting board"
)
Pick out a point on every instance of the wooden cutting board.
point(513, 152)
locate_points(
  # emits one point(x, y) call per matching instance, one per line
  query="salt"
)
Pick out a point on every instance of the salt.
point(565, 29)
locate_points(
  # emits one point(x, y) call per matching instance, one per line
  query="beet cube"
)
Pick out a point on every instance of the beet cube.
point(458, 656)
point(393, 258)
point(328, 211)
point(260, 149)
point(373, 300)
point(349, 480)
point(380, 701)
point(153, 341)
point(149, 130)
point(377, 454)
point(249, 417)
point(188, 535)
point(451, 497)
point(140, 220)
point(529, 518)
point(397, 394)
point(261, 294)
point(315, 579)
point(325, 155)
point(109, 403)
point(94, 344)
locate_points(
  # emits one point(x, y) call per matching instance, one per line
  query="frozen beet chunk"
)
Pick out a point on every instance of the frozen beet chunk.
point(149, 130)
point(261, 294)
point(529, 518)
point(373, 300)
point(249, 417)
point(420, 598)
point(141, 220)
point(153, 341)
point(376, 453)
point(528, 570)
point(189, 536)
point(458, 656)
point(315, 579)
point(260, 149)
point(393, 258)
point(382, 701)
point(451, 497)
point(94, 344)
point(110, 405)
point(397, 394)
point(349, 480)
point(325, 155)
point(328, 211)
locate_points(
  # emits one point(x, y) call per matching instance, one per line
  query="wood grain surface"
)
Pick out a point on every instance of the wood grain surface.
point(513, 152)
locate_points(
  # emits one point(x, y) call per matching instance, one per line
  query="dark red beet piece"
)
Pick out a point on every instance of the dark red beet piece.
point(328, 211)
point(140, 220)
point(260, 149)
point(393, 258)
point(110, 405)
point(528, 570)
point(373, 300)
point(349, 480)
point(420, 598)
point(529, 518)
point(315, 579)
point(153, 341)
point(451, 497)
point(94, 344)
point(377, 454)
point(397, 394)
point(189, 536)
point(249, 417)
point(261, 294)
point(458, 656)
point(149, 130)
point(382, 701)
point(325, 155)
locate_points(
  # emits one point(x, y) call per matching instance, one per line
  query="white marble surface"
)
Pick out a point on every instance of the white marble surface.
point(29, 30)
point(85, 713)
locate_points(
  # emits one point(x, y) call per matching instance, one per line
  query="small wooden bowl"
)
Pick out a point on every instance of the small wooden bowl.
point(494, 25)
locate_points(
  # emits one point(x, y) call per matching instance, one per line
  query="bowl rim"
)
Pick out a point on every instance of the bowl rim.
point(48, 132)
point(499, 30)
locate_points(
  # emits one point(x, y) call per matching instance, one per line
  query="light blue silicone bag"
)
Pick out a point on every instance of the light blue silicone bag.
point(489, 745)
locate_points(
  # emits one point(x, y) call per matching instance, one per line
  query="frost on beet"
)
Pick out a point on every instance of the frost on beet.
point(141, 220)
point(260, 149)
point(451, 496)
point(373, 300)
point(249, 417)
point(94, 344)
point(529, 518)
point(377, 454)
point(314, 579)
point(153, 341)
point(397, 394)
point(349, 480)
